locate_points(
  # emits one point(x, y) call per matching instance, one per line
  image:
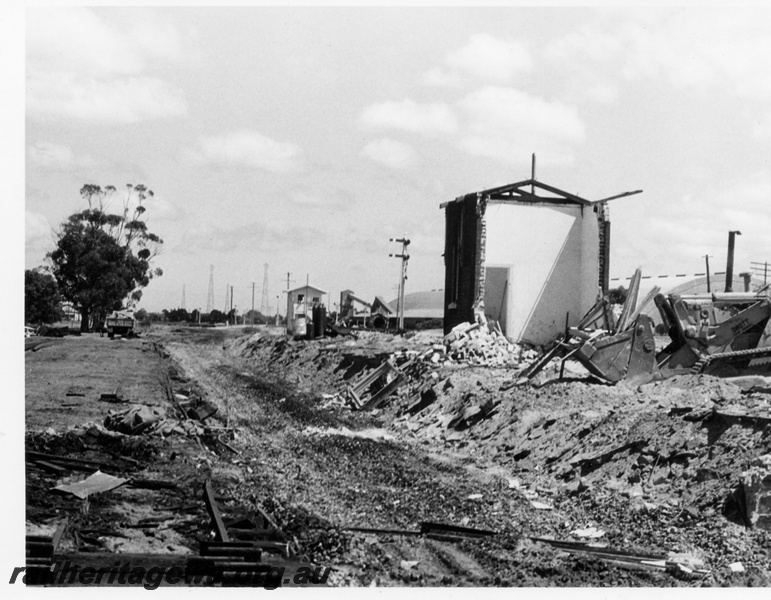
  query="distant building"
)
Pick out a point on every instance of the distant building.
point(420, 307)
point(299, 307)
point(527, 255)
point(353, 310)
point(69, 313)
point(381, 313)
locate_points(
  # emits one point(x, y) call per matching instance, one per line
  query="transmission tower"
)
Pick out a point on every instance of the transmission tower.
point(264, 308)
point(183, 307)
point(210, 296)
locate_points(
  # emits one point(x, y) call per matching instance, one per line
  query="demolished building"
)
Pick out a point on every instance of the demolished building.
point(528, 255)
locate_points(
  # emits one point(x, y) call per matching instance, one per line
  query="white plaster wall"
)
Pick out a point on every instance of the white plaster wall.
point(553, 253)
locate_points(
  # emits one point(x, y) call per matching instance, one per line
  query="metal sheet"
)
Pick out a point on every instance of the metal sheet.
point(94, 484)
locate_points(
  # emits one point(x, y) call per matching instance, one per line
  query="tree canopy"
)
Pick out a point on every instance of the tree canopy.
point(102, 259)
point(617, 295)
point(41, 298)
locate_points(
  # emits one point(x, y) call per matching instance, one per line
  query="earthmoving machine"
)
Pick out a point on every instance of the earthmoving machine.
point(721, 334)
point(120, 322)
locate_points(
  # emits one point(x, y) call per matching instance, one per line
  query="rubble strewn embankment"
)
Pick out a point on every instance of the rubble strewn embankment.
point(659, 466)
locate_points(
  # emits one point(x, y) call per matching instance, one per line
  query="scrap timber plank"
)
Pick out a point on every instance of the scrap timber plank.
point(214, 513)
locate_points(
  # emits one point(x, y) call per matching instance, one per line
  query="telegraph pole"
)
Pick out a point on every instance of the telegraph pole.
point(210, 296)
point(729, 269)
point(405, 258)
point(252, 319)
point(288, 281)
point(709, 289)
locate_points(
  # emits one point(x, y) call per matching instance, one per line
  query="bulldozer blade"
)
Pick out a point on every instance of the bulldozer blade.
point(642, 360)
point(629, 356)
point(607, 358)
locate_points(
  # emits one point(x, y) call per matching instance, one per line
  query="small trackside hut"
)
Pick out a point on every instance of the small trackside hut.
point(300, 303)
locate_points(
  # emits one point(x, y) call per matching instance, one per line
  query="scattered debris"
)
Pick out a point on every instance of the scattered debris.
point(135, 420)
point(94, 484)
point(757, 492)
point(365, 434)
point(720, 334)
point(674, 564)
point(387, 376)
point(588, 532)
point(480, 344)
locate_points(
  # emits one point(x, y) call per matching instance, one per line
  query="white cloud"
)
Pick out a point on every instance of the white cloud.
point(391, 153)
point(407, 115)
point(126, 100)
point(683, 230)
point(491, 59)
point(604, 93)
point(77, 39)
point(325, 198)
point(762, 128)
point(248, 148)
point(80, 66)
point(57, 156)
point(159, 206)
point(687, 47)
point(306, 199)
point(504, 122)
point(441, 77)
point(588, 43)
point(37, 228)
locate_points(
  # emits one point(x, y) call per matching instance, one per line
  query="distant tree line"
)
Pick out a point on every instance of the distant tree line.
point(42, 300)
point(180, 315)
point(100, 262)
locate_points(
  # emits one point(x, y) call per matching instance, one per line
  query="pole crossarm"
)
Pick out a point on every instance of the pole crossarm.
point(404, 241)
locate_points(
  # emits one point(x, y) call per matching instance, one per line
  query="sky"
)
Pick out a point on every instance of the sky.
point(305, 138)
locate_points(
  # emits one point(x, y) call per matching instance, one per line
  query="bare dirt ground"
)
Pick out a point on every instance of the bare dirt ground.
point(655, 469)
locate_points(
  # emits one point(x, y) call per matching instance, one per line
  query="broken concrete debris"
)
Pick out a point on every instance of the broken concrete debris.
point(757, 492)
point(482, 343)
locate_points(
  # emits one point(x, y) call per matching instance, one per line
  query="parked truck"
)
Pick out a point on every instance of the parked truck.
point(120, 322)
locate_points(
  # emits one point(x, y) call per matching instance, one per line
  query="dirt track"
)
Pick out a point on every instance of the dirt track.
point(656, 469)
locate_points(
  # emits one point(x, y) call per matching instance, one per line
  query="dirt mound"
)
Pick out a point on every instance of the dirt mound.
point(658, 466)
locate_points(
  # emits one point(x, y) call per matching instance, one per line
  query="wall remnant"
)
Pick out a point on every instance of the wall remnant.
point(527, 255)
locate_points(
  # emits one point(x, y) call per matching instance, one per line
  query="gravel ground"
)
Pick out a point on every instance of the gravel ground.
point(656, 469)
